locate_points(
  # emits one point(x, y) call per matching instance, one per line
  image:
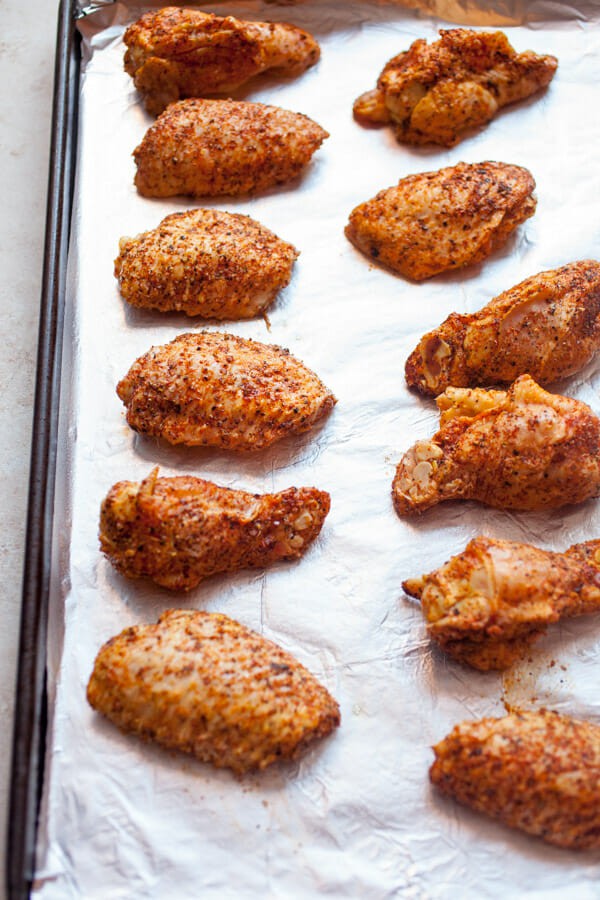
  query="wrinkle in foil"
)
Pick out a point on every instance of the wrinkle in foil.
point(356, 817)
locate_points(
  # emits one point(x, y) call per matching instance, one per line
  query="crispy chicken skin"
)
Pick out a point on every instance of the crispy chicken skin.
point(535, 771)
point(487, 605)
point(520, 449)
point(205, 684)
point(438, 221)
point(205, 263)
point(433, 93)
point(215, 148)
point(548, 326)
point(180, 530)
point(220, 390)
point(177, 53)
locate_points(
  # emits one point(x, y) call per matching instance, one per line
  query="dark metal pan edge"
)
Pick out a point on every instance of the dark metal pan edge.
point(30, 708)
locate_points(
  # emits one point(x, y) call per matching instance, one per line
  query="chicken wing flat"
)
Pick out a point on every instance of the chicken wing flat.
point(180, 530)
point(220, 390)
point(487, 605)
point(204, 684)
point(177, 53)
point(205, 263)
point(438, 221)
point(548, 326)
point(213, 148)
point(535, 771)
point(520, 449)
point(433, 93)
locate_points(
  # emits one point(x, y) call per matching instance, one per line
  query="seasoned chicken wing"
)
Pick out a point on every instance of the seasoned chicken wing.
point(180, 530)
point(205, 684)
point(433, 93)
point(548, 326)
point(487, 605)
point(521, 449)
point(205, 263)
point(536, 771)
point(177, 53)
point(220, 390)
point(213, 148)
point(437, 221)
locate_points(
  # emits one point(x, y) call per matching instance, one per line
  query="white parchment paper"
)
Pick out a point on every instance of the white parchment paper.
point(357, 817)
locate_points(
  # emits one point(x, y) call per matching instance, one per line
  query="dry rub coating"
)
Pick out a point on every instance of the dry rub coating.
point(224, 391)
point(548, 326)
point(177, 53)
point(487, 605)
point(438, 221)
point(205, 263)
point(204, 684)
point(536, 771)
point(180, 530)
point(214, 148)
point(518, 449)
point(433, 93)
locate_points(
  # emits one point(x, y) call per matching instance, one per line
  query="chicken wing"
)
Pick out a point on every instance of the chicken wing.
point(548, 326)
point(437, 221)
point(205, 263)
point(521, 449)
point(536, 771)
point(213, 148)
point(204, 684)
point(220, 390)
point(487, 605)
point(180, 530)
point(433, 93)
point(177, 53)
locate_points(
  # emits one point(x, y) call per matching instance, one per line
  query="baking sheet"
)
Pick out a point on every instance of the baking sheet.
point(356, 817)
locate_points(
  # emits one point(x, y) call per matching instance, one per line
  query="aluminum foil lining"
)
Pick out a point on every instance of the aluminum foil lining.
point(356, 817)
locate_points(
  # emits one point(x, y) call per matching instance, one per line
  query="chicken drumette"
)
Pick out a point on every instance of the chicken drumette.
point(547, 326)
point(205, 263)
point(488, 604)
point(521, 449)
point(213, 148)
point(180, 530)
point(177, 53)
point(438, 221)
point(433, 93)
point(219, 390)
point(204, 684)
point(536, 771)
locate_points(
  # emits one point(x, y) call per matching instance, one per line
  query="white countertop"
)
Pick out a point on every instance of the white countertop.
point(26, 87)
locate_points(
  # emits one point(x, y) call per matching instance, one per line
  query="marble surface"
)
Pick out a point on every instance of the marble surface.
point(27, 39)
